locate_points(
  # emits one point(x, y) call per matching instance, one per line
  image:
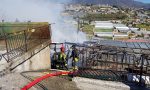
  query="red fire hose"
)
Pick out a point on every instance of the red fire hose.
point(28, 86)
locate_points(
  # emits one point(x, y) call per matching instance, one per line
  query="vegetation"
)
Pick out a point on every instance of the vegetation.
point(103, 17)
point(103, 30)
point(11, 27)
point(109, 38)
point(88, 28)
point(146, 26)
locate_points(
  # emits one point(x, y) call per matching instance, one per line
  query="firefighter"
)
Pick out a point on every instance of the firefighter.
point(75, 57)
point(54, 60)
point(62, 63)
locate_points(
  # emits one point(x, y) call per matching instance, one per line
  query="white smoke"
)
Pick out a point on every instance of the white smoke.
point(42, 11)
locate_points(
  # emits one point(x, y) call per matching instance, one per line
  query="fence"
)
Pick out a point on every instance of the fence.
point(118, 61)
point(113, 61)
point(20, 38)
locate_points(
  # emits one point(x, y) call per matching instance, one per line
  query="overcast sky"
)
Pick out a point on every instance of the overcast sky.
point(145, 1)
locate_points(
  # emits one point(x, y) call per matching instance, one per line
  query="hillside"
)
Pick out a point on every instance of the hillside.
point(123, 3)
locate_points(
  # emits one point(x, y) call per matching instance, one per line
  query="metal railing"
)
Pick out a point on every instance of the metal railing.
point(1, 57)
point(117, 64)
point(112, 63)
point(19, 42)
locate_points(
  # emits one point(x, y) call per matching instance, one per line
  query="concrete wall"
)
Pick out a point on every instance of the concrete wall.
point(38, 62)
point(31, 60)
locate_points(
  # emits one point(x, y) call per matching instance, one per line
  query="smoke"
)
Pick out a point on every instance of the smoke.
point(42, 11)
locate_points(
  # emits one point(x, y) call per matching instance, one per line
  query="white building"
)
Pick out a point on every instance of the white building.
point(121, 27)
point(103, 25)
point(104, 34)
point(108, 29)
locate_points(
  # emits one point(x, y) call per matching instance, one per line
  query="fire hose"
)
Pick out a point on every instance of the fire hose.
point(34, 82)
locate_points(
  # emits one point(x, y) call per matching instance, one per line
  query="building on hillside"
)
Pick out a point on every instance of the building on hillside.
point(140, 33)
point(120, 37)
point(121, 32)
point(103, 25)
point(108, 35)
point(117, 31)
point(103, 29)
point(146, 34)
point(121, 28)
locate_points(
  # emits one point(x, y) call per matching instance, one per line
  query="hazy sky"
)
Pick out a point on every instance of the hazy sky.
point(145, 1)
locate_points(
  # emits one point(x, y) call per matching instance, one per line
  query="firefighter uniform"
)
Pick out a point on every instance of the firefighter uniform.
point(61, 62)
point(75, 57)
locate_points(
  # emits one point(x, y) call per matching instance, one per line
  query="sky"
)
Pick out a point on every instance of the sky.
point(145, 1)
point(63, 28)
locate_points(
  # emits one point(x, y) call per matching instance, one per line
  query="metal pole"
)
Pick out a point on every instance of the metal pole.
point(141, 68)
point(25, 35)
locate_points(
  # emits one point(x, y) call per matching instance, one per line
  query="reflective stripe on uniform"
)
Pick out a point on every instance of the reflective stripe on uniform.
point(75, 68)
point(63, 55)
point(57, 66)
point(65, 64)
point(76, 59)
